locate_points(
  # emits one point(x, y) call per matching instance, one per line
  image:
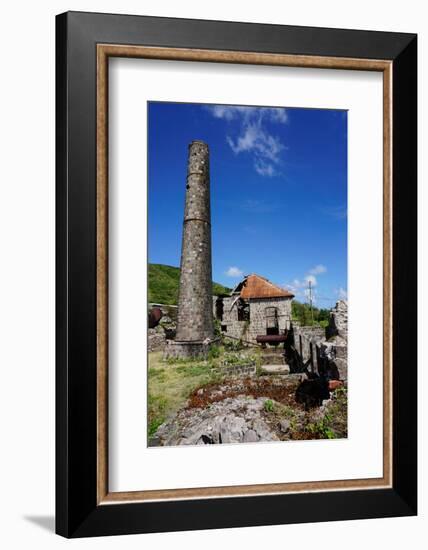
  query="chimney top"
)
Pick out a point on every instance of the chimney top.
point(198, 141)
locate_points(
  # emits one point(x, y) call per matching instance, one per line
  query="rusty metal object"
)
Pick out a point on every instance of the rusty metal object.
point(334, 384)
point(155, 315)
point(271, 338)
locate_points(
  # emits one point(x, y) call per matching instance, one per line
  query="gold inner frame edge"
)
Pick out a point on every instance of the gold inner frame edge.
point(104, 51)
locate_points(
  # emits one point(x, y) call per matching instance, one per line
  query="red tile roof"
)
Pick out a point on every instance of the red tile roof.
point(255, 286)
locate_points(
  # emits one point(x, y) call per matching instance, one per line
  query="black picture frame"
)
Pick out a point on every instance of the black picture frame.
point(77, 511)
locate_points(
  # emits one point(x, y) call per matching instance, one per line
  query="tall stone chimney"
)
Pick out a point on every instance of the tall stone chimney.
point(195, 326)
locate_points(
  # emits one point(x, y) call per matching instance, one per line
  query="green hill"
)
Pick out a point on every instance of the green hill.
point(164, 281)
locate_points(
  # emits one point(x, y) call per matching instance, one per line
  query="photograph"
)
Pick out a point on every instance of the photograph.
point(247, 269)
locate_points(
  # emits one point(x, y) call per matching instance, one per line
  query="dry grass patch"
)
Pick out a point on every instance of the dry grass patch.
point(170, 384)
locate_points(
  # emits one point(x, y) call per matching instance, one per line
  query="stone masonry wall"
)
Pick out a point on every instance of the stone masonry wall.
point(195, 319)
point(307, 341)
point(258, 315)
point(337, 333)
point(338, 322)
point(235, 328)
point(327, 348)
point(249, 330)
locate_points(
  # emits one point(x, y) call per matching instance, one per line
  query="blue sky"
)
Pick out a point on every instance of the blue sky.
point(278, 192)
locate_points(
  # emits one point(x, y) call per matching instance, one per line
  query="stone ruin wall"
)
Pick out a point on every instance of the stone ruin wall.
point(328, 348)
point(337, 334)
point(249, 330)
point(307, 341)
point(258, 315)
point(230, 318)
point(338, 322)
point(165, 330)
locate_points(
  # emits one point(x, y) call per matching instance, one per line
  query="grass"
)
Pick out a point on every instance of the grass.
point(170, 384)
point(171, 381)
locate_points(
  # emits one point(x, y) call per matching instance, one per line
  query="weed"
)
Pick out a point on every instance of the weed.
point(269, 405)
point(214, 352)
point(322, 429)
point(154, 425)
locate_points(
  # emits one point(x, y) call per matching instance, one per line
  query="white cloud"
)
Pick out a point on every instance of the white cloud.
point(279, 115)
point(318, 269)
point(264, 168)
point(297, 283)
point(311, 279)
point(233, 112)
point(300, 286)
point(253, 136)
point(342, 293)
point(234, 272)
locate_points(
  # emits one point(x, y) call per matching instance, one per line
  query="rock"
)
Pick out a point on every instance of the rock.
point(231, 429)
point(334, 354)
point(154, 441)
point(263, 431)
point(166, 320)
point(275, 369)
point(250, 436)
point(232, 420)
point(168, 326)
point(284, 425)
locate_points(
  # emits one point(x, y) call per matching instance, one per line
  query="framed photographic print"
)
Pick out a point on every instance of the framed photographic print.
point(236, 274)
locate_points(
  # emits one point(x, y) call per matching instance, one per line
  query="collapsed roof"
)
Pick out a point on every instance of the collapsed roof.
point(256, 286)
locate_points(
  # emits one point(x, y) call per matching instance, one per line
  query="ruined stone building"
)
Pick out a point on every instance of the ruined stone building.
point(256, 307)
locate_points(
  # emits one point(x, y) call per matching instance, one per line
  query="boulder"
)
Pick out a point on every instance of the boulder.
point(284, 425)
point(232, 420)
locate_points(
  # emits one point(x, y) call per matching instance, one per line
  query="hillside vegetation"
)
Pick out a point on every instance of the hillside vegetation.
point(302, 313)
point(164, 281)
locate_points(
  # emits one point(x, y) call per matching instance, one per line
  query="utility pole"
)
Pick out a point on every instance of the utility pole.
point(310, 301)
